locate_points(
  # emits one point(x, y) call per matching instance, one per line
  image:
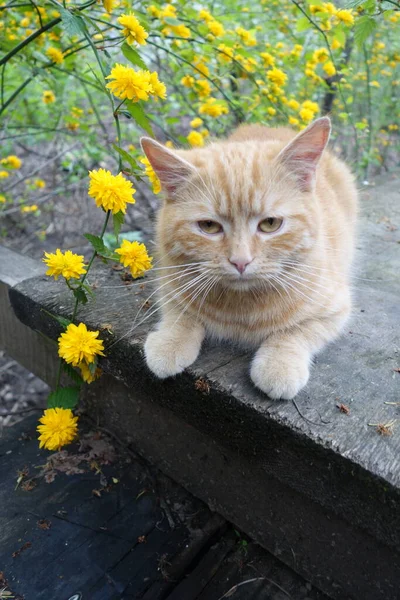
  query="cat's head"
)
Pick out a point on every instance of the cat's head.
point(245, 208)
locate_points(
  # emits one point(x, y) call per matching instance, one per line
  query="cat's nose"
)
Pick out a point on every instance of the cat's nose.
point(240, 264)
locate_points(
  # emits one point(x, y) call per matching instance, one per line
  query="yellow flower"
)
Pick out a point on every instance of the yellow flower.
point(169, 144)
point(345, 16)
point(329, 68)
point(336, 44)
point(277, 76)
point(55, 55)
point(204, 88)
point(271, 111)
point(293, 104)
point(111, 192)
point(321, 55)
point(225, 53)
point(69, 265)
point(155, 182)
point(153, 11)
point(197, 122)
point(268, 59)
point(213, 108)
point(40, 183)
point(306, 114)
point(313, 106)
point(48, 97)
point(77, 344)
point(58, 428)
point(24, 22)
point(128, 83)
point(4, 174)
point(86, 373)
point(216, 28)
point(246, 37)
point(330, 8)
point(133, 31)
point(375, 84)
point(188, 81)
point(195, 139)
point(2, 199)
point(12, 161)
point(134, 255)
point(158, 88)
point(201, 66)
point(204, 15)
point(293, 121)
point(168, 11)
point(181, 31)
point(108, 5)
point(28, 209)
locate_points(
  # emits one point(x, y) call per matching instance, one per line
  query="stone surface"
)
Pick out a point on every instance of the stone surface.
point(308, 450)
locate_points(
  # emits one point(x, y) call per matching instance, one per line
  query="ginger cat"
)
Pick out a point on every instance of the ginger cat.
point(256, 235)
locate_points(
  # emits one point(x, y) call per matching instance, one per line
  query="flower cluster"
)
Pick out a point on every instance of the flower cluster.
point(58, 427)
point(67, 264)
point(134, 255)
point(126, 83)
point(111, 192)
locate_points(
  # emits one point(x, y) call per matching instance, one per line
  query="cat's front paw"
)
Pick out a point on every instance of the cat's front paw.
point(165, 357)
point(279, 373)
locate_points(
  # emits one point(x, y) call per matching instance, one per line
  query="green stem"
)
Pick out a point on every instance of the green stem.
point(81, 282)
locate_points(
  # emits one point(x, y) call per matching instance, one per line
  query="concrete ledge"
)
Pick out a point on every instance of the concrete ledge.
point(318, 488)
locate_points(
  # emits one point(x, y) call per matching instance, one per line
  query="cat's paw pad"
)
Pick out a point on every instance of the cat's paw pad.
point(165, 357)
point(280, 376)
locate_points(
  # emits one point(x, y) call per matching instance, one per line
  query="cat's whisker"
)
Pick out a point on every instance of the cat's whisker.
point(293, 287)
point(299, 280)
point(148, 314)
point(182, 275)
point(295, 264)
point(141, 281)
point(197, 293)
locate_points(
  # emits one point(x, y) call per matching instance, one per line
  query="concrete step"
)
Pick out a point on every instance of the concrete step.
point(316, 487)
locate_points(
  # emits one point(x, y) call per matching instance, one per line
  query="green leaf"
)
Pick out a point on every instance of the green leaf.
point(131, 236)
point(137, 112)
point(364, 27)
point(80, 295)
point(118, 220)
point(72, 24)
point(93, 366)
point(133, 56)
point(64, 322)
point(302, 24)
point(171, 21)
point(126, 156)
point(96, 242)
point(72, 374)
point(66, 397)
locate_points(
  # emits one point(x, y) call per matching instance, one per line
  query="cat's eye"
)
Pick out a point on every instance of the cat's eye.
point(270, 225)
point(210, 227)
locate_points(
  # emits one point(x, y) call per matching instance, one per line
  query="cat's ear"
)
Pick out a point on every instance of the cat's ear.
point(302, 155)
point(171, 169)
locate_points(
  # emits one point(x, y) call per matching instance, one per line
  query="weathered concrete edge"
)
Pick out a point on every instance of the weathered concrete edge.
point(326, 477)
point(19, 341)
point(343, 561)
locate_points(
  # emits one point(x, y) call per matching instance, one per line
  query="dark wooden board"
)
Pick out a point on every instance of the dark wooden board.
point(143, 538)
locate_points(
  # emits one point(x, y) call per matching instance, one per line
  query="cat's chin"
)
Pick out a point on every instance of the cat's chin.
point(242, 284)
